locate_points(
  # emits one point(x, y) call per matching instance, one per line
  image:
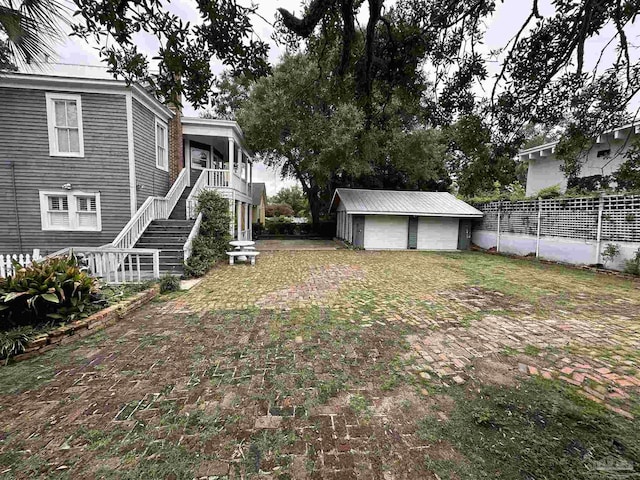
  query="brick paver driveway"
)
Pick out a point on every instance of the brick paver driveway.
point(314, 364)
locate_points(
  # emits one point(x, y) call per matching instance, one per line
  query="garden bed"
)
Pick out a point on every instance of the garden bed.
point(64, 334)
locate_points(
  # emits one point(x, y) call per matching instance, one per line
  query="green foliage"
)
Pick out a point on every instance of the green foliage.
point(169, 283)
point(633, 266)
point(13, 341)
point(610, 252)
point(571, 150)
point(475, 160)
point(6, 62)
point(627, 177)
point(53, 290)
point(513, 192)
point(311, 125)
point(295, 198)
point(550, 192)
point(213, 239)
point(279, 210)
point(223, 31)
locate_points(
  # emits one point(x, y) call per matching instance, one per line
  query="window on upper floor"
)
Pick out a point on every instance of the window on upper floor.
point(162, 146)
point(70, 211)
point(64, 120)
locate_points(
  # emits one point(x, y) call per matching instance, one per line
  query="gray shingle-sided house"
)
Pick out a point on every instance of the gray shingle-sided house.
point(396, 220)
point(94, 162)
point(603, 158)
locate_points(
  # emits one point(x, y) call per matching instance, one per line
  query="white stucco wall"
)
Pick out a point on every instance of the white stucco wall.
point(545, 171)
point(437, 233)
point(386, 232)
point(566, 250)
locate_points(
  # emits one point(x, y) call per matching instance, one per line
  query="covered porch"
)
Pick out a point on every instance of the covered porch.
point(216, 160)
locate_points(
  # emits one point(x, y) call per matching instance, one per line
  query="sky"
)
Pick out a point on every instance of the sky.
point(501, 28)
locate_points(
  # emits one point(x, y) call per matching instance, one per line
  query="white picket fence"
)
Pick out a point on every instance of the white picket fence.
point(24, 259)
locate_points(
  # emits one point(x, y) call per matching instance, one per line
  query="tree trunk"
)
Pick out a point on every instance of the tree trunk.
point(314, 206)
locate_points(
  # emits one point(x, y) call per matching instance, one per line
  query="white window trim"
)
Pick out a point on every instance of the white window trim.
point(51, 115)
point(73, 210)
point(164, 168)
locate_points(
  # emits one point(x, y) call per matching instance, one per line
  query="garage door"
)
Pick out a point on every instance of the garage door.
point(386, 232)
point(437, 233)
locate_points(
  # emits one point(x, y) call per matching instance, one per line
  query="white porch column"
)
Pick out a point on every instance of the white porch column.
point(247, 225)
point(232, 215)
point(251, 222)
point(250, 177)
point(239, 219)
point(232, 152)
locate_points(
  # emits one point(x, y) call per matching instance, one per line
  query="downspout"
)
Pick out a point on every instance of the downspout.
point(15, 204)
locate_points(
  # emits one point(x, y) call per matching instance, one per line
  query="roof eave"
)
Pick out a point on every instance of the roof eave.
point(416, 214)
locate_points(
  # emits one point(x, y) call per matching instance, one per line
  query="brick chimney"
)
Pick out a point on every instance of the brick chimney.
point(176, 145)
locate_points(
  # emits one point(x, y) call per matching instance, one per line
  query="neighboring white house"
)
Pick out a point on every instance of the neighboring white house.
point(603, 158)
point(393, 220)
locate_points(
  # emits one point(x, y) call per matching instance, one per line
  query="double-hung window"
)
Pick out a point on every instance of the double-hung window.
point(70, 211)
point(162, 146)
point(64, 119)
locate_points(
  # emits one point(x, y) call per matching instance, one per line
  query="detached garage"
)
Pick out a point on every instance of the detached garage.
point(391, 220)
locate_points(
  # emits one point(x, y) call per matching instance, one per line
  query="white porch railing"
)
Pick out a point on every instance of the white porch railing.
point(188, 245)
point(154, 208)
point(212, 179)
point(118, 265)
point(24, 260)
point(192, 199)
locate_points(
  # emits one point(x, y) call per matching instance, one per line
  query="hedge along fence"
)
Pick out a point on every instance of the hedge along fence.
point(593, 221)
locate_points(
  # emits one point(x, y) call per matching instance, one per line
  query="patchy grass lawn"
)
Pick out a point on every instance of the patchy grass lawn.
point(344, 364)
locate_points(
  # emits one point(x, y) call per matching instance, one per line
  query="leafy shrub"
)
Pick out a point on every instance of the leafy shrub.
point(550, 192)
point(55, 290)
point(633, 265)
point(169, 283)
point(610, 252)
point(213, 240)
point(257, 229)
point(279, 210)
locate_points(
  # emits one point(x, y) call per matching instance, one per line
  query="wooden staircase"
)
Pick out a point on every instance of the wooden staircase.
point(169, 236)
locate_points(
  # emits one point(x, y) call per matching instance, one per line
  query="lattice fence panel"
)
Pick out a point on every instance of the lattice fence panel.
point(520, 217)
point(567, 217)
point(621, 218)
point(570, 218)
point(490, 219)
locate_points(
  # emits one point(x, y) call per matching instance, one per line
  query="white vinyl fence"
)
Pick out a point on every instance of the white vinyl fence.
point(571, 230)
point(23, 259)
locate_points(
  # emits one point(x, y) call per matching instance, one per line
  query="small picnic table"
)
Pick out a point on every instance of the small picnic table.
point(242, 250)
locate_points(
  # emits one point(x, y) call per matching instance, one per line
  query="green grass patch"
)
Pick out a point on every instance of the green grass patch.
point(539, 430)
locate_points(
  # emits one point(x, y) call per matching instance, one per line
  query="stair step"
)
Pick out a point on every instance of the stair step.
point(171, 222)
point(166, 240)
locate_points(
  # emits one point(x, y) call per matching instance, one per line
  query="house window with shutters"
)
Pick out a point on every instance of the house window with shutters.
point(162, 146)
point(64, 120)
point(70, 211)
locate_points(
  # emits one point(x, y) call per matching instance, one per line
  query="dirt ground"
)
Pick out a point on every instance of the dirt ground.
point(315, 365)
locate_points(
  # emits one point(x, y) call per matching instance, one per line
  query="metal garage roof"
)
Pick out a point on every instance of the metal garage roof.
point(390, 202)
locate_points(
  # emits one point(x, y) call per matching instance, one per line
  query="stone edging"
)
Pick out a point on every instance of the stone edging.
point(81, 328)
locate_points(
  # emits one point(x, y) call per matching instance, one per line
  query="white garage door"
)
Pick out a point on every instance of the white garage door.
point(386, 232)
point(437, 233)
